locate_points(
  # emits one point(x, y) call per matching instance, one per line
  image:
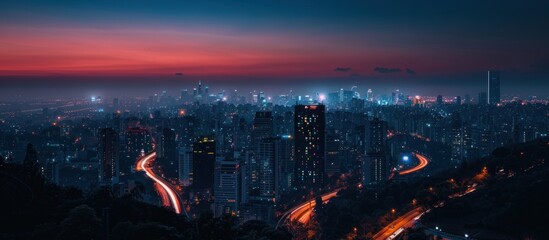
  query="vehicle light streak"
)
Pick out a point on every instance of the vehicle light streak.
point(142, 165)
point(302, 212)
point(423, 162)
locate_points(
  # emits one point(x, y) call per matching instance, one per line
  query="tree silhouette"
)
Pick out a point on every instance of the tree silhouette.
point(82, 223)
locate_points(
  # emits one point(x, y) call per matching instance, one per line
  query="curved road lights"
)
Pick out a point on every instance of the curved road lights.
point(171, 193)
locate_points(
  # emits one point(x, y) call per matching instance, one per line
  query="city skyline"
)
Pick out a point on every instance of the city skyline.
point(373, 45)
point(357, 120)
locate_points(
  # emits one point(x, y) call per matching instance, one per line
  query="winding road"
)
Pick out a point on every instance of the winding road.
point(302, 212)
point(166, 190)
point(423, 162)
point(405, 221)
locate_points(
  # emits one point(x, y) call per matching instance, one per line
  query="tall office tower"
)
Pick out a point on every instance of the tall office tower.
point(310, 139)
point(261, 100)
point(458, 100)
point(482, 98)
point(228, 181)
point(285, 162)
point(186, 129)
point(468, 145)
point(334, 101)
point(376, 165)
point(357, 105)
point(370, 95)
point(457, 138)
point(333, 153)
point(485, 142)
point(395, 97)
point(203, 164)
point(268, 157)
point(493, 88)
point(345, 97)
point(185, 158)
point(200, 88)
point(108, 157)
point(261, 129)
point(439, 100)
point(31, 157)
point(137, 140)
point(116, 122)
point(166, 154)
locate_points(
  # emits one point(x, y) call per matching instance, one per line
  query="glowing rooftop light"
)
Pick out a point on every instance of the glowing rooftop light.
point(322, 97)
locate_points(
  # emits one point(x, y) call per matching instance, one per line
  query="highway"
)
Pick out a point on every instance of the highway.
point(162, 186)
point(302, 212)
point(423, 162)
point(405, 221)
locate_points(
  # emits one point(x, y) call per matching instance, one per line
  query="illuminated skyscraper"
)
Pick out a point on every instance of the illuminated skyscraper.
point(310, 139)
point(493, 88)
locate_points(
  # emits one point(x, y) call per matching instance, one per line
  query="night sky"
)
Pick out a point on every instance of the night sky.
point(427, 47)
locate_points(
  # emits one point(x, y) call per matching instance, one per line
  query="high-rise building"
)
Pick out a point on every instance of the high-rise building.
point(203, 164)
point(333, 153)
point(137, 141)
point(108, 157)
point(31, 157)
point(310, 139)
point(286, 163)
point(457, 138)
point(185, 157)
point(267, 158)
point(166, 154)
point(493, 88)
point(439, 100)
point(370, 95)
point(116, 122)
point(458, 100)
point(376, 165)
point(261, 129)
point(227, 190)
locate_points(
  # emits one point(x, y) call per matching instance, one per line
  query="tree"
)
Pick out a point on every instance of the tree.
point(82, 223)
